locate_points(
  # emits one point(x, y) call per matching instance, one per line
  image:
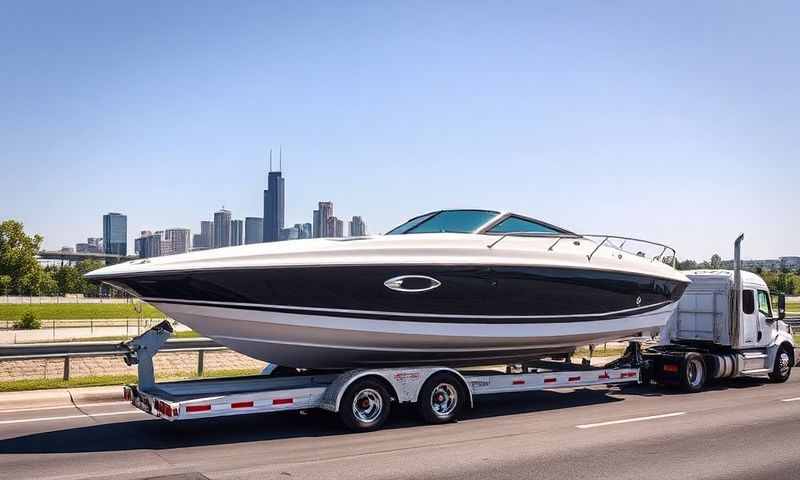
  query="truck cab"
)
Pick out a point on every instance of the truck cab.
point(734, 328)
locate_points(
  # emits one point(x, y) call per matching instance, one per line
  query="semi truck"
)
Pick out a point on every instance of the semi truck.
point(723, 327)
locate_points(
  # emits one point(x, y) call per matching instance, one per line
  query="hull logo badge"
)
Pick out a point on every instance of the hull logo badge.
point(412, 283)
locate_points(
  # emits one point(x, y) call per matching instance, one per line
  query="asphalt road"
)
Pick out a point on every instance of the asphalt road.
point(745, 429)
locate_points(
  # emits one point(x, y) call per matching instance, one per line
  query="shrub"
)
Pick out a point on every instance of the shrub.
point(28, 322)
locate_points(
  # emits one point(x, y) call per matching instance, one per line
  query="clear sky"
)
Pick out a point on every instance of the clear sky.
point(677, 122)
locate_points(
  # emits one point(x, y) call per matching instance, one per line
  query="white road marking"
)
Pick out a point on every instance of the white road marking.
point(67, 417)
point(630, 420)
point(795, 399)
point(57, 407)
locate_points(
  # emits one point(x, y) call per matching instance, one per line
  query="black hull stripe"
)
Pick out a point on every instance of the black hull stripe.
point(411, 318)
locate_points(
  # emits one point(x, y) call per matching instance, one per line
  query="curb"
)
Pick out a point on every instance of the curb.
point(59, 397)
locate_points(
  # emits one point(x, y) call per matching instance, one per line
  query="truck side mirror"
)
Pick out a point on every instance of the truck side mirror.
point(781, 306)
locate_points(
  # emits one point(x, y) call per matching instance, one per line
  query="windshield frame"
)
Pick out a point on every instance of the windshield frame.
point(484, 229)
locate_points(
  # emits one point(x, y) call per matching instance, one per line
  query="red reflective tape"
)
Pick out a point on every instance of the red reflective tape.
point(282, 401)
point(627, 374)
point(574, 379)
point(549, 380)
point(671, 368)
point(197, 408)
point(242, 404)
point(603, 376)
point(518, 382)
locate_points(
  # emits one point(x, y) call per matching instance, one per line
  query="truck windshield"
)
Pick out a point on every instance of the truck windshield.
point(452, 221)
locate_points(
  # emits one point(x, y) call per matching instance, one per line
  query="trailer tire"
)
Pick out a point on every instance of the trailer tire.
point(365, 405)
point(783, 365)
point(441, 398)
point(694, 373)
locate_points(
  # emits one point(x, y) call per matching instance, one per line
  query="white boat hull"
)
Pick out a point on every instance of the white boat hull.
point(332, 342)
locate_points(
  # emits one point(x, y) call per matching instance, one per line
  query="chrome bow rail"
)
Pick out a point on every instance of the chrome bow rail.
point(605, 240)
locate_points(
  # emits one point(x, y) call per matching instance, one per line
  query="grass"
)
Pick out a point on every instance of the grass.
point(77, 311)
point(110, 380)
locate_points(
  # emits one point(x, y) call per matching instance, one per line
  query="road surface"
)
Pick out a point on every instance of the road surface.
point(745, 429)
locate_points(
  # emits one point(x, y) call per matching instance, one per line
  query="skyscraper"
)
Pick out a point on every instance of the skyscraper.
point(148, 244)
point(222, 228)
point(273, 203)
point(206, 235)
point(335, 228)
point(321, 216)
point(175, 240)
point(357, 227)
point(237, 232)
point(306, 230)
point(115, 234)
point(253, 230)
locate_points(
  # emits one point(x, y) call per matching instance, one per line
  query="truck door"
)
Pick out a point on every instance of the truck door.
point(765, 324)
point(749, 326)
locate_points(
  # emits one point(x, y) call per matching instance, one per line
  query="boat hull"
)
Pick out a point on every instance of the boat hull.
point(350, 316)
point(325, 342)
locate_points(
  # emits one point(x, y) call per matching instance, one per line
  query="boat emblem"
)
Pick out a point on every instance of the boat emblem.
point(412, 283)
point(638, 301)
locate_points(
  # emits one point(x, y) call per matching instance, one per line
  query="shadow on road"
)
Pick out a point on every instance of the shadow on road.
point(157, 434)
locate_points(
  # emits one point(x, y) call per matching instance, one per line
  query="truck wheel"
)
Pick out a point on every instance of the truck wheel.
point(783, 366)
point(694, 373)
point(441, 398)
point(365, 405)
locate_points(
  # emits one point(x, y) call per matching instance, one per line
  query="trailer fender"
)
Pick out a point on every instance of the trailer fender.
point(403, 384)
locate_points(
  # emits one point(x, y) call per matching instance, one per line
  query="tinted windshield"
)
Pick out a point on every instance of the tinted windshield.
point(452, 221)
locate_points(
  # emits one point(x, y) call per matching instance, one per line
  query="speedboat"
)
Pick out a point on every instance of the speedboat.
point(451, 287)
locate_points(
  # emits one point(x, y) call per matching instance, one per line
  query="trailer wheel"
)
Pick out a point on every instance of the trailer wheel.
point(783, 365)
point(694, 373)
point(365, 405)
point(441, 398)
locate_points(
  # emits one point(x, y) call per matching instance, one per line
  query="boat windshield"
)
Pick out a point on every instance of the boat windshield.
point(451, 221)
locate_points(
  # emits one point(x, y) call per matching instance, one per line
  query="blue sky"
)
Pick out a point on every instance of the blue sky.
point(676, 122)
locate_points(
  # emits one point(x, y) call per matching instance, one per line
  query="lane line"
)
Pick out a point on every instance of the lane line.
point(795, 399)
point(34, 409)
point(67, 417)
point(630, 420)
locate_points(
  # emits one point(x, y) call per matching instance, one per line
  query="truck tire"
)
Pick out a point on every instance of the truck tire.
point(365, 405)
point(783, 365)
point(441, 398)
point(693, 372)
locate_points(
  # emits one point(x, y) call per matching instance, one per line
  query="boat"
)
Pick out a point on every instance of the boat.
point(450, 287)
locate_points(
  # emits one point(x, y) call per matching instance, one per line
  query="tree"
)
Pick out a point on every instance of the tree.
point(18, 257)
point(715, 262)
point(69, 280)
point(687, 265)
point(5, 284)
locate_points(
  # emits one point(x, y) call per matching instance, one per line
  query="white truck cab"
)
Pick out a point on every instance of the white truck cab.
point(727, 317)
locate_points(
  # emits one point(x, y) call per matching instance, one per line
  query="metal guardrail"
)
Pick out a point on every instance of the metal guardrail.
point(67, 351)
point(793, 321)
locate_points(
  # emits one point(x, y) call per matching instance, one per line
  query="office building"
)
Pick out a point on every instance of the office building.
point(321, 216)
point(237, 232)
point(357, 227)
point(291, 233)
point(175, 240)
point(148, 244)
point(273, 205)
point(335, 228)
point(197, 242)
point(307, 230)
point(206, 239)
point(253, 230)
point(222, 228)
point(92, 245)
point(115, 234)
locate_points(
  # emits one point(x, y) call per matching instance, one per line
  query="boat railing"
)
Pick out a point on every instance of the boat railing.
point(606, 240)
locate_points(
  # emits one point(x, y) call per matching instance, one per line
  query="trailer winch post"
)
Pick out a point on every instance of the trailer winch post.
point(142, 349)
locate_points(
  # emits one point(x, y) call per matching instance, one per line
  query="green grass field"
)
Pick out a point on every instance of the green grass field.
point(67, 311)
